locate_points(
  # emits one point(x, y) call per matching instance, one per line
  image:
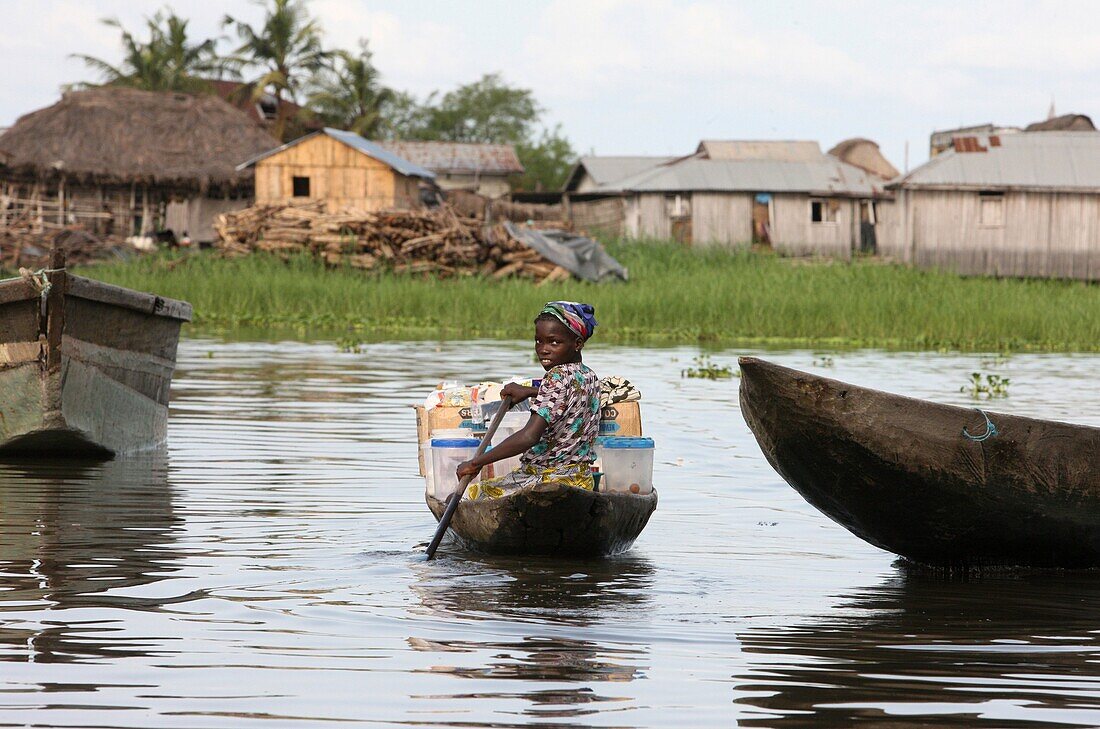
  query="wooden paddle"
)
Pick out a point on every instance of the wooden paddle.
point(453, 499)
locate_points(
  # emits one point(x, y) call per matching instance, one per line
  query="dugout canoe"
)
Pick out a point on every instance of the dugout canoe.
point(901, 473)
point(85, 367)
point(550, 520)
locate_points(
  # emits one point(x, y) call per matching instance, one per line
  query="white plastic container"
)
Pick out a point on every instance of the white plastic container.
point(626, 464)
point(510, 423)
point(447, 453)
point(426, 448)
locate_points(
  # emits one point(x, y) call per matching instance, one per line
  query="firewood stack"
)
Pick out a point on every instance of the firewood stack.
point(436, 242)
point(24, 246)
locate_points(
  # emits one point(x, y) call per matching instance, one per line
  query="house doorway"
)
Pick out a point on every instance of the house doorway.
point(762, 219)
point(678, 208)
point(868, 242)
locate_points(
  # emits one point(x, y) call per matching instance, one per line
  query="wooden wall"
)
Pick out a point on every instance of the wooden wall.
point(195, 216)
point(343, 177)
point(647, 217)
point(1049, 235)
point(795, 234)
point(721, 218)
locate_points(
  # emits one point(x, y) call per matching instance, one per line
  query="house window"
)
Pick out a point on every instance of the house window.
point(992, 208)
point(823, 211)
point(301, 186)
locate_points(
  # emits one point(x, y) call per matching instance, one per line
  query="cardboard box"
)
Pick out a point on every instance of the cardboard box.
point(436, 418)
point(622, 418)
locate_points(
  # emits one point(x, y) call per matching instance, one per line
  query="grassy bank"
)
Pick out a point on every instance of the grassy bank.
point(675, 295)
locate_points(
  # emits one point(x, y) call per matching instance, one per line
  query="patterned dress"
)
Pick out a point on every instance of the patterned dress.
point(569, 401)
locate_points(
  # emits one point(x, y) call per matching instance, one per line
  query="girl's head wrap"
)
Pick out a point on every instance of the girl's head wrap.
point(580, 318)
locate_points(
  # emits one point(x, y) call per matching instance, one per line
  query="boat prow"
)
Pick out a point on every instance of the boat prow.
point(85, 367)
point(550, 519)
point(937, 484)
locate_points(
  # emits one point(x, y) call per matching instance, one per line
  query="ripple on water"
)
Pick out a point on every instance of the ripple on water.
point(268, 568)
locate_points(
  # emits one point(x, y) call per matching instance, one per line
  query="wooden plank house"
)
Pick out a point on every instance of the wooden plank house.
point(127, 162)
point(787, 195)
point(1021, 204)
point(342, 168)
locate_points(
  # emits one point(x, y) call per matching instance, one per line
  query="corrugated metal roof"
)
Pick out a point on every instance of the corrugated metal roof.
point(458, 156)
point(1027, 160)
point(825, 175)
point(353, 140)
point(778, 150)
point(605, 171)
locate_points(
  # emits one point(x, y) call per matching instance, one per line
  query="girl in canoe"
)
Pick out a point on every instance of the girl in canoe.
point(557, 442)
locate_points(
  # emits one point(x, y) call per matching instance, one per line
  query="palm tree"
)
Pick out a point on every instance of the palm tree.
point(286, 45)
point(167, 62)
point(349, 94)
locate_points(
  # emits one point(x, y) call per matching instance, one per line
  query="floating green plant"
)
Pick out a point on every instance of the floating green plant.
point(986, 386)
point(707, 370)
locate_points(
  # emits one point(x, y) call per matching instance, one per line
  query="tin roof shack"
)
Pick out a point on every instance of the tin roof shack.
point(787, 195)
point(342, 168)
point(126, 162)
point(591, 198)
point(597, 175)
point(486, 169)
point(1023, 204)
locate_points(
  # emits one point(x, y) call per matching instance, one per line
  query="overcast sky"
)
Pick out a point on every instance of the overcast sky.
point(656, 76)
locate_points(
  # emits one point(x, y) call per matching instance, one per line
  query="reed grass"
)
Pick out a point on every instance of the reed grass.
point(675, 295)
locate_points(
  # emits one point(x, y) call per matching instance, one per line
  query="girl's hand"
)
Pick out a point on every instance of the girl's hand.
point(467, 468)
point(517, 392)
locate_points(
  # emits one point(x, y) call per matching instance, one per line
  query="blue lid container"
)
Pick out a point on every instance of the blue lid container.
point(612, 441)
point(455, 442)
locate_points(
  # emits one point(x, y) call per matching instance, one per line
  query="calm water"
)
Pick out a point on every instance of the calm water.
point(264, 571)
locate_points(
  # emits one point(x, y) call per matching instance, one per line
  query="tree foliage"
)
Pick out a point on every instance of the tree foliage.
point(168, 61)
point(546, 161)
point(283, 50)
point(488, 111)
point(349, 93)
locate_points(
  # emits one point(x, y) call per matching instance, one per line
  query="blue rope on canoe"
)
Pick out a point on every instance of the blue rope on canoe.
point(990, 429)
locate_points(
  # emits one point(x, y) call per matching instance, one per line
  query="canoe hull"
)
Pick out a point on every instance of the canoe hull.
point(85, 372)
point(550, 519)
point(899, 473)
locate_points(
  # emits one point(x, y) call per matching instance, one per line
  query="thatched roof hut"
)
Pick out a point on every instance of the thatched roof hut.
point(115, 136)
point(866, 155)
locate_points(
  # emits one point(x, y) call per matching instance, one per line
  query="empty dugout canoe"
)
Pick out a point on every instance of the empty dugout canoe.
point(85, 369)
point(901, 474)
point(550, 520)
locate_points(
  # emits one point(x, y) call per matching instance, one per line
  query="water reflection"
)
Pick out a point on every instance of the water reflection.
point(74, 537)
point(574, 592)
point(556, 600)
point(1012, 649)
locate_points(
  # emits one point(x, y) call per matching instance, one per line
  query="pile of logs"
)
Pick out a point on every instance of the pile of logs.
point(26, 246)
point(436, 242)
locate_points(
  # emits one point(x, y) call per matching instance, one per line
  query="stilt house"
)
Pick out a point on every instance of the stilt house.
point(128, 162)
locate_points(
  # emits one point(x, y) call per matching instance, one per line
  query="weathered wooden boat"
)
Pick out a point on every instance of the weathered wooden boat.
point(550, 519)
point(85, 367)
point(940, 485)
